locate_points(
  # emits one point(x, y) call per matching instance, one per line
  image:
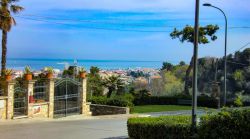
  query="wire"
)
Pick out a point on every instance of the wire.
point(95, 21)
point(242, 47)
point(47, 19)
point(98, 28)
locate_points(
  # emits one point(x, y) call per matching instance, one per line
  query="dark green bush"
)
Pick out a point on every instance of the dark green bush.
point(226, 125)
point(121, 101)
point(203, 101)
point(165, 127)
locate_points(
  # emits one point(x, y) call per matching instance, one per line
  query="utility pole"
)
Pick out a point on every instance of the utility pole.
point(195, 65)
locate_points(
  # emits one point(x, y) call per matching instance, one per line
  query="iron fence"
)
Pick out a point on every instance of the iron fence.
point(40, 93)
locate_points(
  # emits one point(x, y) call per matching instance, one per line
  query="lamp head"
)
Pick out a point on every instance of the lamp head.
point(207, 4)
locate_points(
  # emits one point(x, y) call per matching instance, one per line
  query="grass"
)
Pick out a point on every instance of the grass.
point(160, 108)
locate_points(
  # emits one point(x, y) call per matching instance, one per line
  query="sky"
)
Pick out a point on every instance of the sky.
point(121, 29)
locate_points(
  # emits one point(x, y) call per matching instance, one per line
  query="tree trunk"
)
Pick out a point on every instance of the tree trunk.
point(4, 51)
point(188, 71)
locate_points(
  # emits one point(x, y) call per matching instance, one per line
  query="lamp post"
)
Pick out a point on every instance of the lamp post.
point(195, 61)
point(225, 52)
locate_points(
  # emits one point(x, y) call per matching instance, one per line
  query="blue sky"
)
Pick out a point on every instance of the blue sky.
point(120, 29)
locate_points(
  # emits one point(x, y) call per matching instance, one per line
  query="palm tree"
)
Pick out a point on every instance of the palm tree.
point(6, 22)
point(113, 83)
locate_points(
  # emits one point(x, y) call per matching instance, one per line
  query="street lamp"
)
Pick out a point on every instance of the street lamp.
point(225, 55)
point(195, 65)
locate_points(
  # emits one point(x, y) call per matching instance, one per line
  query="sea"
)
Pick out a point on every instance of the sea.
point(38, 64)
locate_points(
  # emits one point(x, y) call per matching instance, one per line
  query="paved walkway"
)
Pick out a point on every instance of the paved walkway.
point(74, 127)
point(105, 127)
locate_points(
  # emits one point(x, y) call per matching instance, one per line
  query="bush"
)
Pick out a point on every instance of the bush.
point(226, 124)
point(165, 127)
point(229, 124)
point(238, 101)
point(203, 101)
point(121, 101)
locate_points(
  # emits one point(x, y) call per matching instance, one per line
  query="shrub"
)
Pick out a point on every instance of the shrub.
point(226, 124)
point(121, 101)
point(203, 101)
point(238, 101)
point(165, 127)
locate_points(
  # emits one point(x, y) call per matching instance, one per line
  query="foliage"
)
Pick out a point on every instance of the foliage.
point(50, 70)
point(70, 72)
point(226, 124)
point(187, 35)
point(167, 66)
point(122, 101)
point(234, 123)
point(27, 70)
point(182, 63)
point(143, 93)
point(8, 7)
point(173, 85)
point(137, 74)
point(164, 127)
point(238, 75)
point(238, 101)
point(114, 84)
point(203, 101)
point(8, 72)
point(82, 69)
point(94, 82)
point(179, 71)
point(238, 79)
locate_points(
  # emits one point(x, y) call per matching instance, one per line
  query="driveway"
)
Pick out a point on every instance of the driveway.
point(93, 128)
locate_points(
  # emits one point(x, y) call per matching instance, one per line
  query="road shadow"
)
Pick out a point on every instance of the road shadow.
point(120, 137)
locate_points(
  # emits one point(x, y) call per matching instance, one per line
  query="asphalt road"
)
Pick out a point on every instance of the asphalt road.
point(109, 128)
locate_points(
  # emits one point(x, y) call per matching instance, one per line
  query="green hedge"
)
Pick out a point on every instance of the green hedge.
point(224, 125)
point(122, 101)
point(165, 127)
point(203, 101)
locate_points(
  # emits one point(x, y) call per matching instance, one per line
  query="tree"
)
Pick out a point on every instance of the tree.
point(114, 84)
point(94, 85)
point(182, 63)
point(187, 35)
point(6, 22)
point(167, 66)
point(172, 85)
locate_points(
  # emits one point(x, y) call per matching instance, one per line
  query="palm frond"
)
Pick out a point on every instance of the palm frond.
point(16, 9)
point(13, 1)
point(13, 21)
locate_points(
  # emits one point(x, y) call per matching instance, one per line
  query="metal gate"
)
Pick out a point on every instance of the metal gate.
point(20, 101)
point(67, 94)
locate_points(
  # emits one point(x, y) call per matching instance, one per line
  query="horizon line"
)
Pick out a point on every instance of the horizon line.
point(72, 59)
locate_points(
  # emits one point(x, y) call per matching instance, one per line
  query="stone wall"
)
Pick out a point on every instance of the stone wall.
point(36, 110)
point(107, 110)
point(3, 102)
point(40, 110)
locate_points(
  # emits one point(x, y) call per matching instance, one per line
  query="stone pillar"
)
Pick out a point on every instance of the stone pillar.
point(50, 91)
point(83, 95)
point(9, 92)
point(29, 86)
